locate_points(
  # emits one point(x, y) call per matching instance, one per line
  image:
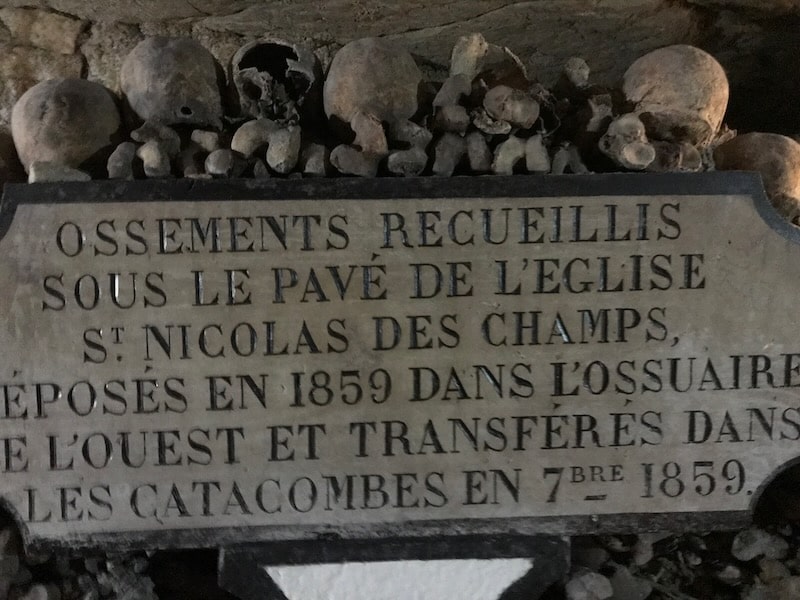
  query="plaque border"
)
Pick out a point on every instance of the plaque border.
point(500, 537)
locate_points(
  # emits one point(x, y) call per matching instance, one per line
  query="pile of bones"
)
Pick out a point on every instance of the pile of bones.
point(276, 113)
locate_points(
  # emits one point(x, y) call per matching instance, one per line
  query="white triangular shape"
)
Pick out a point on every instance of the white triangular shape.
point(400, 580)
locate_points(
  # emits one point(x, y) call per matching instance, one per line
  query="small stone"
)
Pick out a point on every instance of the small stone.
point(43, 29)
point(410, 133)
point(407, 163)
point(568, 159)
point(453, 89)
point(120, 163)
point(42, 592)
point(40, 171)
point(643, 548)
point(507, 155)
point(370, 136)
point(220, 163)
point(628, 587)
point(351, 161)
point(488, 125)
point(467, 56)
point(772, 570)
point(207, 140)
point(754, 542)
point(447, 153)
point(504, 103)
point(576, 70)
point(154, 159)
point(586, 585)
point(560, 160)
point(478, 153)
point(315, 160)
point(691, 159)
point(168, 139)
point(284, 149)
point(600, 113)
point(537, 159)
point(452, 118)
point(251, 137)
point(729, 575)
point(260, 169)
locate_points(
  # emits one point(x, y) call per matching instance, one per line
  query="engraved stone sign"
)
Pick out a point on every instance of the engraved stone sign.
point(202, 363)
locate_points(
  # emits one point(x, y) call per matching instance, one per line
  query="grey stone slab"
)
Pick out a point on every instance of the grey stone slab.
point(209, 363)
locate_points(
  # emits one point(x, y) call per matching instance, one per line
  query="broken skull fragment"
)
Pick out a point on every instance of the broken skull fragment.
point(277, 80)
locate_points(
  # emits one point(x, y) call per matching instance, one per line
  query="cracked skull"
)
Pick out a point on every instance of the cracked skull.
point(277, 80)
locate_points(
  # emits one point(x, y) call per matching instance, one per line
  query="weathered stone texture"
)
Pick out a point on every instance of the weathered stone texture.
point(106, 48)
point(21, 67)
point(43, 29)
point(748, 37)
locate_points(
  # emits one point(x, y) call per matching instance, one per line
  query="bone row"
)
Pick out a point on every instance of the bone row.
point(371, 114)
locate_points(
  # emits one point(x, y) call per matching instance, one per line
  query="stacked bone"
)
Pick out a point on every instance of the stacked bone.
point(276, 115)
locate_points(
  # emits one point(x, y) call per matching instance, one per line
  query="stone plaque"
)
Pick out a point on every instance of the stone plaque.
point(207, 363)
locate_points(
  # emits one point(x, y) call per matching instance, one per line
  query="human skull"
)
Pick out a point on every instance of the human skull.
point(277, 80)
point(679, 92)
point(172, 81)
point(370, 82)
point(70, 122)
point(776, 157)
point(374, 77)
